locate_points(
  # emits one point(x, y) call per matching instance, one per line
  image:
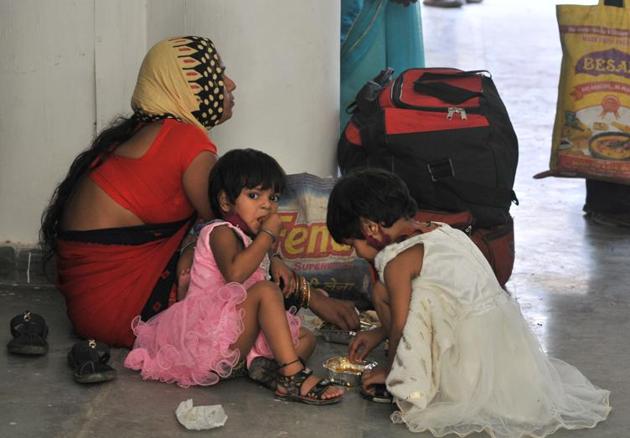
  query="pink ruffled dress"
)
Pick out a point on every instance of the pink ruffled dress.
point(190, 342)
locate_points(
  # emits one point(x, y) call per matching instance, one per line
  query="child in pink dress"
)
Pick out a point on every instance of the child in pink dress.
point(232, 310)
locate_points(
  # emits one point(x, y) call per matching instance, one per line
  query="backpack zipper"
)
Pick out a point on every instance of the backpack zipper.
point(456, 110)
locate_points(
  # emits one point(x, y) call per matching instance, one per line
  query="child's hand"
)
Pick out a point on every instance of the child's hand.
point(374, 376)
point(280, 271)
point(272, 223)
point(363, 343)
point(341, 313)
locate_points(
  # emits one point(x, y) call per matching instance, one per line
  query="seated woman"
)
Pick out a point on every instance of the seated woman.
point(117, 220)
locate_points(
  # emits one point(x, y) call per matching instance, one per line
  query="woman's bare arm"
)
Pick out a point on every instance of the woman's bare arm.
point(196, 183)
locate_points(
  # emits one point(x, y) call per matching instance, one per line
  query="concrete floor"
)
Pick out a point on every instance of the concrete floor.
point(570, 276)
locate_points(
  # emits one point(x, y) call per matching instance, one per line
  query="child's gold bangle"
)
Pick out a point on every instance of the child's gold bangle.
point(269, 233)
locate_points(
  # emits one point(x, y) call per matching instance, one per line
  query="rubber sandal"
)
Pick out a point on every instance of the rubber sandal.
point(293, 385)
point(380, 394)
point(29, 331)
point(88, 360)
point(264, 371)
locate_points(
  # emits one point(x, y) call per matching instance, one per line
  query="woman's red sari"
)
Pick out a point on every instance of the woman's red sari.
point(109, 276)
point(107, 283)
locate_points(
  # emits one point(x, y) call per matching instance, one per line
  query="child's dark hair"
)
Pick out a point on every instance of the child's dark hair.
point(243, 168)
point(373, 194)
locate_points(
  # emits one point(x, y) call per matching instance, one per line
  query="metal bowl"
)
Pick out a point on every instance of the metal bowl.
point(345, 373)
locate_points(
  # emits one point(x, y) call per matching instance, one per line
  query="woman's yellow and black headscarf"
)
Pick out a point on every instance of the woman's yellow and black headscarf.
point(180, 78)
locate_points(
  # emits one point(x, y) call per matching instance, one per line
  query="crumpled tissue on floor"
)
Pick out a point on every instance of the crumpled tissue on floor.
point(200, 417)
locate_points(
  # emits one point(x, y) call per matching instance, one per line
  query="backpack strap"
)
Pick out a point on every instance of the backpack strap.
point(443, 175)
point(431, 84)
point(446, 92)
point(479, 194)
point(432, 76)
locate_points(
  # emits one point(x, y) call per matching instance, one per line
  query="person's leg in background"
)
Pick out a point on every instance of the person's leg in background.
point(608, 203)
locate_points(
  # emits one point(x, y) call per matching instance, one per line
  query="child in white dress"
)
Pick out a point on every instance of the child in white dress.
point(462, 358)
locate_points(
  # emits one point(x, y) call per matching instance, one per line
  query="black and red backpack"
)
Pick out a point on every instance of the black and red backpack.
point(447, 134)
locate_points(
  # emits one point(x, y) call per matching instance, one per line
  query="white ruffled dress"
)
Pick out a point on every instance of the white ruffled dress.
point(467, 360)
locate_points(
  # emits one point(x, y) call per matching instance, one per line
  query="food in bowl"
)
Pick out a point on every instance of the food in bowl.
point(342, 371)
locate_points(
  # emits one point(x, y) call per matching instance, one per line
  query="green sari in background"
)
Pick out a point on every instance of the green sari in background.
point(376, 34)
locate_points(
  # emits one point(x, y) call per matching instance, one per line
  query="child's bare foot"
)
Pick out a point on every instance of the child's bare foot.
point(183, 281)
point(297, 383)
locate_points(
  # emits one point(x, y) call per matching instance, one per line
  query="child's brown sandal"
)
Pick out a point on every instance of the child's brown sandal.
point(293, 385)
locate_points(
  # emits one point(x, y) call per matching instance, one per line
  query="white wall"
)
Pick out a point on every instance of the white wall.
point(69, 66)
point(120, 42)
point(284, 57)
point(47, 110)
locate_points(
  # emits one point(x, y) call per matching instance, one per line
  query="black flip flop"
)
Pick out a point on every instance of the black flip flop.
point(380, 394)
point(88, 359)
point(29, 331)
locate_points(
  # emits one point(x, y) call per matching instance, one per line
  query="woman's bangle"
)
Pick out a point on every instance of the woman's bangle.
point(269, 233)
point(305, 292)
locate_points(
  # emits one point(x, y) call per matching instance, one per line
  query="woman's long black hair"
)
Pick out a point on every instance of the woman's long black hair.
point(120, 130)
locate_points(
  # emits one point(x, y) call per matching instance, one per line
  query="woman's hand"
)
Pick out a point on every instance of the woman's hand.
point(282, 275)
point(341, 313)
point(363, 343)
point(374, 376)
